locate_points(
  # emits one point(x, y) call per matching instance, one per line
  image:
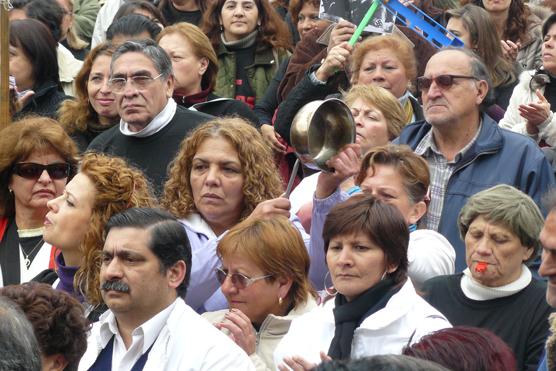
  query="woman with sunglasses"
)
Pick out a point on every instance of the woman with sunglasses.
point(264, 279)
point(376, 309)
point(37, 158)
point(75, 222)
point(533, 100)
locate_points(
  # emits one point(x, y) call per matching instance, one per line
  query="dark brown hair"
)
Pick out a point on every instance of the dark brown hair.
point(381, 222)
point(58, 319)
point(273, 31)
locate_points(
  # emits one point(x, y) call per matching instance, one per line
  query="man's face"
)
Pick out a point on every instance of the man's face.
point(136, 106)
point(456, 103)
point(548, 265)
point(132, 284)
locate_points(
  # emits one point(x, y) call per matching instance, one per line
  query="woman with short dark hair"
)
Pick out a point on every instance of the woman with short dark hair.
point(376, 309)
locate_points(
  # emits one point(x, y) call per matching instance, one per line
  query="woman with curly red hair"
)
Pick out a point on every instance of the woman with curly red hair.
point(75, 223)
point(251, 42)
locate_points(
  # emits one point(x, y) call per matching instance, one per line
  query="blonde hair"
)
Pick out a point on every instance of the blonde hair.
point(257, 166)
point(202, 48)
point(275, 246)
point(382, 100)
point(118, 187)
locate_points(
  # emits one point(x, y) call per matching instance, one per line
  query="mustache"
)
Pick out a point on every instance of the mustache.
point(115, 285)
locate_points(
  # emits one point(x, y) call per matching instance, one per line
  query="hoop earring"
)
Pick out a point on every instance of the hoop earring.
point(327, 289)
point(383, 275)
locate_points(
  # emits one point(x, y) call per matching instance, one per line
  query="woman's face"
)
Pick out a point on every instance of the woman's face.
point(21, 68)
point(69, 215)
point(549, 50)
point(308, 19)
point(457, 27)
point(67, 19)
point(371, 128)
point(239, 18)
point(217, 183)
point(497, 247)
point(188, 68)
point(497, 6)
point(355, 263)
point(33, 194)
point(382, 68)
point(100, 96)
point(258, 299)
point(386, 184)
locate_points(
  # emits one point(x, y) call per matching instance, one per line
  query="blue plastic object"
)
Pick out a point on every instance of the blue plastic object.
point(413, 18)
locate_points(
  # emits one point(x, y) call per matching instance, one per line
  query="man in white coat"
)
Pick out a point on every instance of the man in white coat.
point(145, 268)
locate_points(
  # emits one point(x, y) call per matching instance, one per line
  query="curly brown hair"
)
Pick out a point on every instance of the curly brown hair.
point(58, 319)
point(75, 114)
point(119, 186)
point(18, 141)
point(262, 181)
point(273, 31)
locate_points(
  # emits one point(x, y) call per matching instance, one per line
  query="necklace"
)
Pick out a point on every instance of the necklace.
point(26, 259)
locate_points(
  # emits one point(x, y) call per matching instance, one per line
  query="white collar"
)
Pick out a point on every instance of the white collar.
point(158, 123)
point(476, 291)
point(149, 329)
point(196, 223)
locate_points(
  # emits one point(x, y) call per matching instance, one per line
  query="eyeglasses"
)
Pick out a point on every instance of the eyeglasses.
point(140, 82)
point(442, 81)
point(31, 170)
point(239, 280)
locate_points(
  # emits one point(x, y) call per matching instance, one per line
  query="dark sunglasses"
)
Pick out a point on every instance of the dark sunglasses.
point(31, 170)
point(442, 81)
point(239, 280)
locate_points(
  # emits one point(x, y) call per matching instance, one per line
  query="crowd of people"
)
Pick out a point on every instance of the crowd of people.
point(147, 219)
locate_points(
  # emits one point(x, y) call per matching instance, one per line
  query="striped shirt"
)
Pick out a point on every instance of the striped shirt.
point(440, 172)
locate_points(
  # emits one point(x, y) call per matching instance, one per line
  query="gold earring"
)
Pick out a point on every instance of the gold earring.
point(280, 300)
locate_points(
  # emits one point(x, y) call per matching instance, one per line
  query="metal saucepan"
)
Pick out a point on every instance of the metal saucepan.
point(319, 131)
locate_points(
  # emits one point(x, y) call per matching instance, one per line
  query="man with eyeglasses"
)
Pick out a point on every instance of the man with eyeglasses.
point(466, 150)
point(152, 125)
point(144, 273)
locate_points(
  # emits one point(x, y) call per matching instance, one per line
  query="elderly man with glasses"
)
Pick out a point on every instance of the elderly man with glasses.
point(466, 150)
point(152, 125)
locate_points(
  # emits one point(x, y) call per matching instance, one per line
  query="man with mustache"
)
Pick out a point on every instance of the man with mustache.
point(145, 270)
point(152, 126)
point(466, 150)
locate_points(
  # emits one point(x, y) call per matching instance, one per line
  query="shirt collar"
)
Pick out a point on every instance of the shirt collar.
point(196, 222)
point(427, 144)
point(150, 329)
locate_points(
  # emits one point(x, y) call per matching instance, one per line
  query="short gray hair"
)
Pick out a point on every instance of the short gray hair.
point(478, 71)
point(508, 206)
point(151, 50)
point(19, 349)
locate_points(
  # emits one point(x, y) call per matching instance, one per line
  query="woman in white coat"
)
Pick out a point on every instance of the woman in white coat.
point(376, 309)
point(533, 101)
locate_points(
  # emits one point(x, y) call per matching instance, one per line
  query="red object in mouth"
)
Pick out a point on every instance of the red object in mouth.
point(481, 267)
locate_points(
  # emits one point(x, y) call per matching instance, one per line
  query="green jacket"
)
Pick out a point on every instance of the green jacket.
point(260, 72)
